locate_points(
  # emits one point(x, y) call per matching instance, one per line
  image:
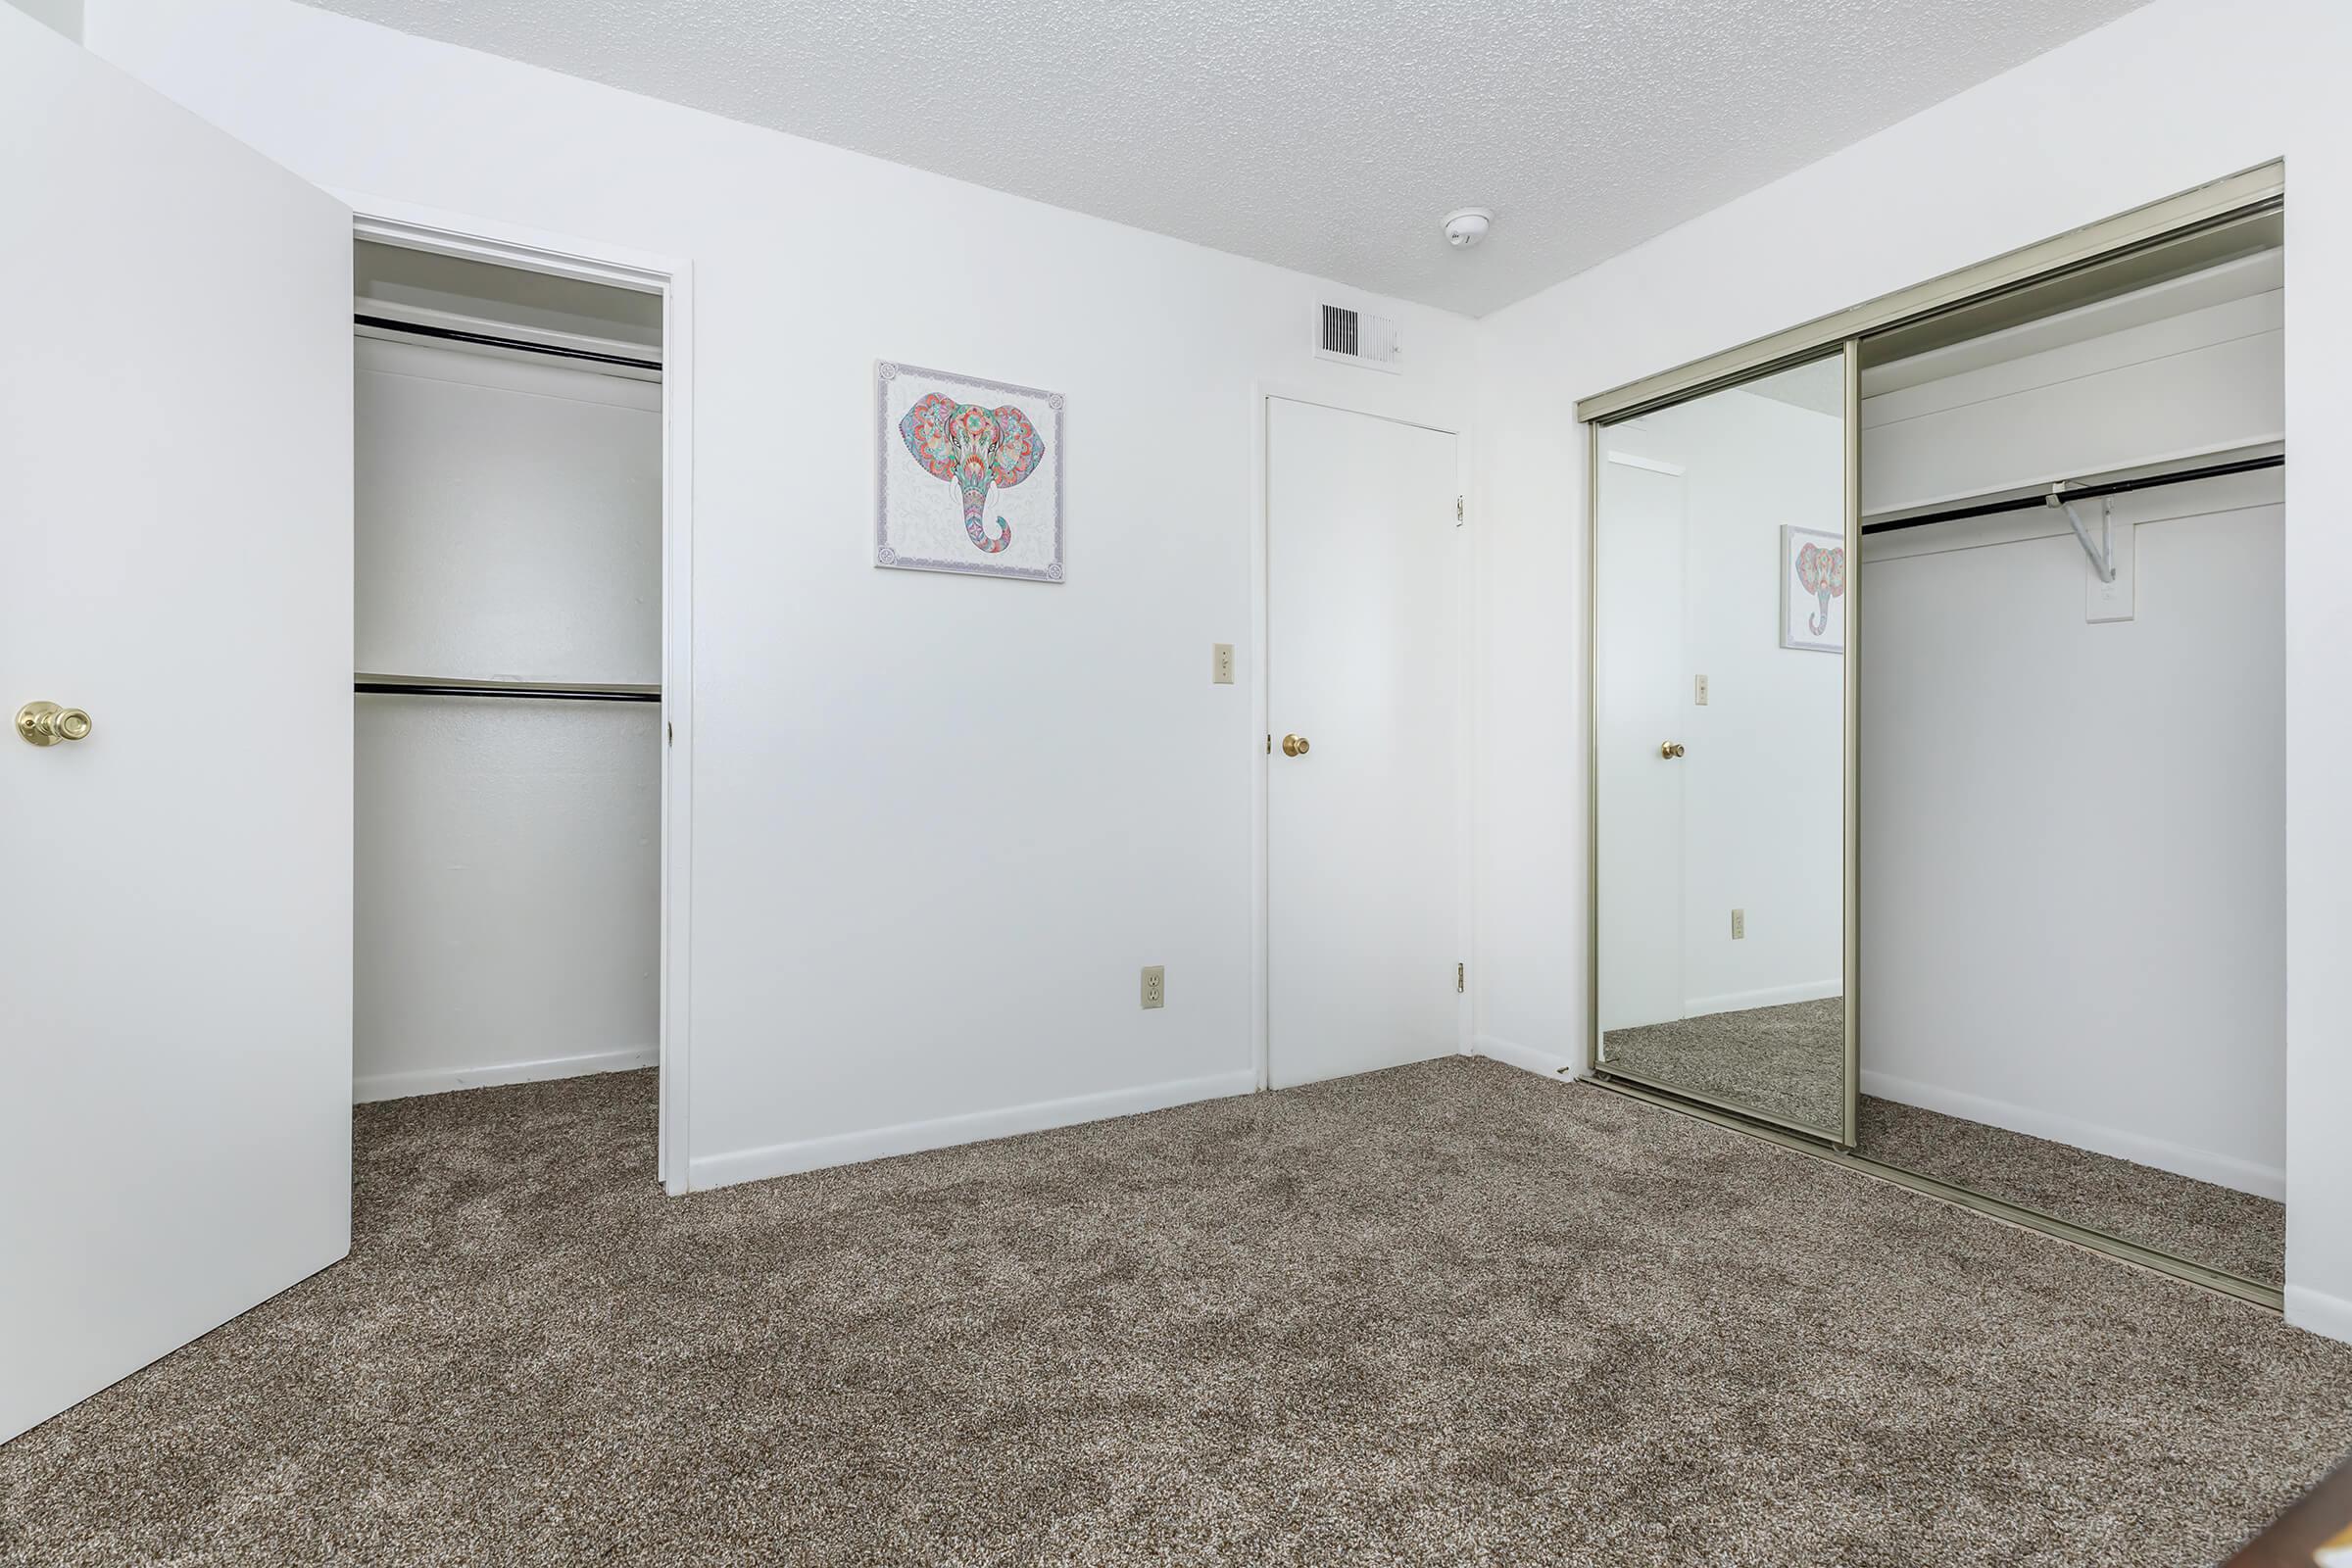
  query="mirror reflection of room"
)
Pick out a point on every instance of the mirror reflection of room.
point(2071, 751)
point(1721, 616)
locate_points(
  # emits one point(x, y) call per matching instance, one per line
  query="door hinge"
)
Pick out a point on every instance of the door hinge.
point(670, 733)
point(1460, 974)
point(1457, 512)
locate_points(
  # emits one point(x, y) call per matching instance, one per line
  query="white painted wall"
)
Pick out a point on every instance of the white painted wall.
point(2179, 92)
point(2209, 380)
point(2319, 666)
point(62, 15)
point(941, 821)
point(1761, 783)
point(2073, 840)
point(507, 890)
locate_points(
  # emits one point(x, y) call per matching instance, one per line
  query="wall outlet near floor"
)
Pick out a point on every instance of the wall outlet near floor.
point(1155, 985)
point(1739, 924)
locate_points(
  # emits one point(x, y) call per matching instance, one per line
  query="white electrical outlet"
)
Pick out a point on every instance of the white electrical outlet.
point(1155, 985)
point(1739, 925)
point(1221, 664)
point(1699, 691)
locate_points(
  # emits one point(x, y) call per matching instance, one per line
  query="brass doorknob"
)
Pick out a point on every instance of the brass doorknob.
point(1294, 746)
point(1671, 750)
point(46, 723)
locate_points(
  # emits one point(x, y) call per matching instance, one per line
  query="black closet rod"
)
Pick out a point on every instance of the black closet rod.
point(396, 686)
point(2084, 492)
point(451, 334)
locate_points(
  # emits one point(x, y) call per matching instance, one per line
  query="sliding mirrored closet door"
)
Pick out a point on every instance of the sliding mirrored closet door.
point(2059, 472)
point(1722, 603)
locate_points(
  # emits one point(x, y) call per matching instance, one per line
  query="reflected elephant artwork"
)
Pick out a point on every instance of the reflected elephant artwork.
point(968, 475)
point(1812, 590)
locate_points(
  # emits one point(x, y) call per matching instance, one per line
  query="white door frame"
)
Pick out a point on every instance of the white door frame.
point(424, 229)
point(1377, 403)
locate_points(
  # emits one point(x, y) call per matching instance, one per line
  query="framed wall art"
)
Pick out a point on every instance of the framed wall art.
point(1812, 590)
point(967, 475)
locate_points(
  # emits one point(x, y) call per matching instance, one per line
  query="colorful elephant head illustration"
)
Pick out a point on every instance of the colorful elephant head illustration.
point(1823, 573)
point(976, 448)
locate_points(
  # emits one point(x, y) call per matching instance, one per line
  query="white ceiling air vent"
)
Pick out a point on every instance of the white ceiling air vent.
point(1353, 338)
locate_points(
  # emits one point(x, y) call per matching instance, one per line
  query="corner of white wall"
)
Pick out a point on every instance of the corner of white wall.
point(1560, 1069)
point(64, 16)
point(2319, 1312)
point(2319, 664)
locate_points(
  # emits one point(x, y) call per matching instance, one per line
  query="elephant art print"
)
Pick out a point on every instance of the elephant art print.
point(1812, 589)
point(977, 448)
point(1822, 570)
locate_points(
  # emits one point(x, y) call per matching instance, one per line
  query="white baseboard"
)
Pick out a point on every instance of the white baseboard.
point(945, 1132)
point(2223, 1170)
point(1557, 1068)
point(2319, 1312)
point(1769, 997)
point(442, 1080)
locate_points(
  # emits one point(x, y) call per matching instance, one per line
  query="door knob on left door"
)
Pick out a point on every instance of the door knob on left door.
point(46, 723)
point(1294, 746)
point(1671, 750)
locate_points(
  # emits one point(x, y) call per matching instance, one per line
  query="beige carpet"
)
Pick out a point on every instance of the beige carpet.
point(1790, 1063)
point(1448, 1314)
point(2220, 1228)
point(1786, 1063)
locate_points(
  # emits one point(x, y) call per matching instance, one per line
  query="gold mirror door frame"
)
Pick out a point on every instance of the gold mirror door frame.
point(1814, 1036)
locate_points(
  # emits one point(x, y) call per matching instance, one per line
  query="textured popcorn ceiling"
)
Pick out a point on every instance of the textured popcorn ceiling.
point(1326, 135)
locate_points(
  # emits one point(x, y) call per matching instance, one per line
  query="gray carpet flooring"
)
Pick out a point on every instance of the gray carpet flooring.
point(2220, 1228)
point(1789, 1061)
point(1447, 1314)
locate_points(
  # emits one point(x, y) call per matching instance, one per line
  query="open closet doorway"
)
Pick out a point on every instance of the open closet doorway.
point(518, 673)
point(2072, 749)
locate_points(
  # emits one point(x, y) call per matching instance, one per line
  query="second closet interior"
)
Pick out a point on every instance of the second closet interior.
point(2062, 705)
point(509, 725)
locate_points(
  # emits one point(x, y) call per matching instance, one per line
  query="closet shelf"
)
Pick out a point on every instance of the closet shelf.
point(558, 691)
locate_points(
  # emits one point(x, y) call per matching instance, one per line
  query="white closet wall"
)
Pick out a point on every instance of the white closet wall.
point(507, 851)
point(2073, 878)
point(2192, 366)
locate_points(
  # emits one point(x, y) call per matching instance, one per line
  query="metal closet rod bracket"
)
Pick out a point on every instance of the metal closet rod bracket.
point(2103, 553)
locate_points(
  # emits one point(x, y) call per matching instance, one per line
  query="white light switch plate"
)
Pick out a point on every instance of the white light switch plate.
point(2118, 600)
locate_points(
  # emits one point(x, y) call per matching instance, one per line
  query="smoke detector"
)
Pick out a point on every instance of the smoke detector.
point(1466, 228)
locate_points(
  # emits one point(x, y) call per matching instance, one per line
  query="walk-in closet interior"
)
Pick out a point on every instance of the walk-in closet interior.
point(1938, 763)
point(509, 659)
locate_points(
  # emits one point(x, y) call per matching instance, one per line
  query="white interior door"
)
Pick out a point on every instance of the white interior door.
point(1363, 619)
point(176, 506)
point(1642, 675)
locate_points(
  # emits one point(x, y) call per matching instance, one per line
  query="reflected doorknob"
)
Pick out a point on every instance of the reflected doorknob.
point(1671, 750)
point(1294, 746)
point(46, 723)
